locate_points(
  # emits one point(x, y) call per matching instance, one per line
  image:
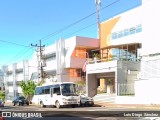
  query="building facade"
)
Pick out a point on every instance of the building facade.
point(61, 61)
point(127, 64)
point(128, 56)
point(1, 80)
point(13, 75)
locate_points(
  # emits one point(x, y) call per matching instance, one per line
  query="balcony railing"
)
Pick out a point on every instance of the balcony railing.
point(92, 61)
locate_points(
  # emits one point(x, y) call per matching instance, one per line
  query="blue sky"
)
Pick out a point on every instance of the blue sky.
point(23, 22)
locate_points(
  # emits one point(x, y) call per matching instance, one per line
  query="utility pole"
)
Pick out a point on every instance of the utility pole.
point(39, 51)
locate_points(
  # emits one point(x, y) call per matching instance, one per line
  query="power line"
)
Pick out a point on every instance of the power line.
point(26, 55)
point(74, 23)
point(96, 22)
point(64, 28)
point(78, 21)
point(22, 52)
point(80, 29)
point(4, 41)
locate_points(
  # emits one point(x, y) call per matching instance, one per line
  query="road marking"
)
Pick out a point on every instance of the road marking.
point(106, 109)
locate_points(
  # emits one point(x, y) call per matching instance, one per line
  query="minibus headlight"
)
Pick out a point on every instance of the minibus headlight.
point(64, 99)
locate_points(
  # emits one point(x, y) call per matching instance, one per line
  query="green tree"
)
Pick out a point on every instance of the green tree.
point(81, 87)
point(28, 88)
point(2, 95)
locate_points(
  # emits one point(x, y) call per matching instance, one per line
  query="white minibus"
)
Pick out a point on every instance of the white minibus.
point(57, 94)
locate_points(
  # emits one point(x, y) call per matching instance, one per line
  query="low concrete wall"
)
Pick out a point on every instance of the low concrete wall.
point(146, 92)
point(136, 100)
point(125, 100)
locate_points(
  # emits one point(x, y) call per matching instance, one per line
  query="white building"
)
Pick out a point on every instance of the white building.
point(129, 56)
point(1, 80)
point(128, 65)
point(62, 61)
point(13, 75)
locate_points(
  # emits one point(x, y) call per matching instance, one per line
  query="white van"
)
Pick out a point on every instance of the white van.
point(58, 94)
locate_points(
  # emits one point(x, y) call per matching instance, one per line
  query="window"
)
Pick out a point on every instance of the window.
point(56, 90)
point(78, 71)
point(43, 90)
point(126, 32)
point(34, 76)
point(47, 90)
point(21, 98)
point(132, 30)
point(120, 34)
point(138, 28)
point(114, 35)
point(68, 89)
point(38, 91)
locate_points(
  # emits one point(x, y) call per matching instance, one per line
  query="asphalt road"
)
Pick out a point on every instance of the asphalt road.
point(79, 113)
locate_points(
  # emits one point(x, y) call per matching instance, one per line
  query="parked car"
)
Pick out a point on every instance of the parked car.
point(86, 101)
point(1, 118)
point(20, 100)
point(1, 103)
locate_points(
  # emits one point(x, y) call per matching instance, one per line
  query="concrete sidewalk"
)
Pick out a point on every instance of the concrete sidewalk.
point(114, 106)
point(130, 106)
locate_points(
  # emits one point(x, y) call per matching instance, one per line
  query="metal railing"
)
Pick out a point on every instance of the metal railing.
point(126, 89)
point(92, 61)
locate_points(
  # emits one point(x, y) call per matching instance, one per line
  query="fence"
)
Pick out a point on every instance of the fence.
point(126, 89)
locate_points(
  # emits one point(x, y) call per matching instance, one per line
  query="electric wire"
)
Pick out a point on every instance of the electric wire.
point(26, 55)
point(21, 53)
point(95, 23)
point(72, 24)
point(62, 29)
point(4, 41)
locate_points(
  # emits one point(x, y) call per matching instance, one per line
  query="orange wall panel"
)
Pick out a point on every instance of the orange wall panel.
point(105, 31)
point(79, 52)
point(73, 73)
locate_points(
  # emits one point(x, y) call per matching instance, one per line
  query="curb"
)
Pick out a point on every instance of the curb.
point(114, 105)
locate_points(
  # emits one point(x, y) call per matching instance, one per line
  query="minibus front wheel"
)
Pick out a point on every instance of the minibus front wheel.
point(58, 104)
